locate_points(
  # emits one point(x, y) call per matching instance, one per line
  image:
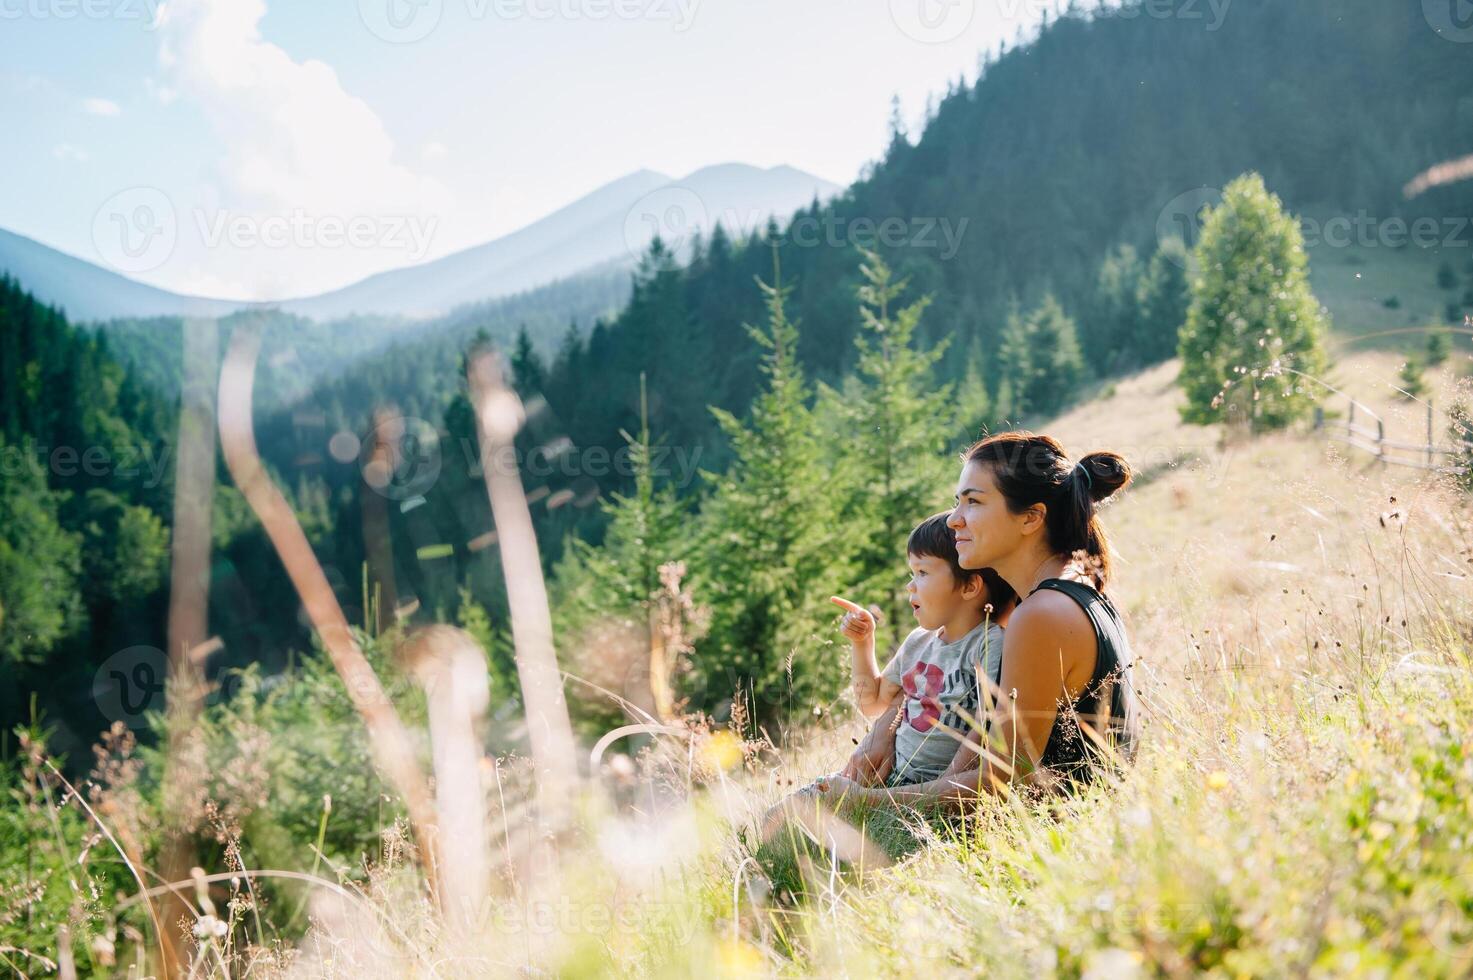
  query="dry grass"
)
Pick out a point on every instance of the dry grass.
point(1301, 618)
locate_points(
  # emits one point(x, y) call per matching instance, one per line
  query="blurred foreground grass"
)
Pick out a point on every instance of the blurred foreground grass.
point(1303, 804)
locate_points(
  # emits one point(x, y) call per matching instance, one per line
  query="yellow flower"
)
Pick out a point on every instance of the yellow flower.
point(737, 959)
point(1217, 780)
point(721, 751)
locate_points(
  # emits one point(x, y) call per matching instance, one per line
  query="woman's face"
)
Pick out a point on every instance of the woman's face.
point(986, 530)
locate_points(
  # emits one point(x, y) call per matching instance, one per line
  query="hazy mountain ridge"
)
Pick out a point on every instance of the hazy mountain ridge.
point(612, 224)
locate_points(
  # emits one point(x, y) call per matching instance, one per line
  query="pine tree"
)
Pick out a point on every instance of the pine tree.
point(894, 423)
point(1255, 330)
point(1058, 365)
point(1439, 347)
point(1015, 365)
point(527, 372)
point(608, 599)
point(1113, 320)
point(770, 530)
point(1410, 381)
point(1163, 297)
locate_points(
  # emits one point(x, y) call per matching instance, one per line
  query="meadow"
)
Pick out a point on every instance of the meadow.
point(1301, 615)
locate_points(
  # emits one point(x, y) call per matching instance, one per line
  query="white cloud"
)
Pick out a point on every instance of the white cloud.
point(162, 93)
point(101, 107)
point(434, 151)
point(66, 151)
point(294, 138)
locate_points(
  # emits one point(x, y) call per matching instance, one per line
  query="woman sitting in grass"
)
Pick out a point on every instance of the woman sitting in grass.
point(1067, 705)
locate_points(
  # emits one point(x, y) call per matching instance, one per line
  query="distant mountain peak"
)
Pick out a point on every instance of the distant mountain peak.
point(609, 224)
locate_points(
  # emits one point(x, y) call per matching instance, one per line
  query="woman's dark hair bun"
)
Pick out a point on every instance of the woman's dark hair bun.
point(1105, 474)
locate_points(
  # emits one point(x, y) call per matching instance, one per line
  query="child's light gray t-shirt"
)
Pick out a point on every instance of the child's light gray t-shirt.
point(939, 690)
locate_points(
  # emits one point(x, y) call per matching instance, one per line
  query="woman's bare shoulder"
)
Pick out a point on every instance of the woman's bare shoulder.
point(1046, 609)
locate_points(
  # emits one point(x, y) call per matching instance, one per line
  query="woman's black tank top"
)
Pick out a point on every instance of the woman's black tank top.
point(1107, 706)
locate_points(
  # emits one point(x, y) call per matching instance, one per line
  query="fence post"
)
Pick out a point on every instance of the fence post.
point(1319, 417)
point(1430, 441)
point(1380, 440)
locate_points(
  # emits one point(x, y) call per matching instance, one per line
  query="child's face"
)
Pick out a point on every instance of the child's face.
point(936, 596)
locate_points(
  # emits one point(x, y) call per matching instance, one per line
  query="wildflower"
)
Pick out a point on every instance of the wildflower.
point(721, 751)
point(209, 927)
point(1217, 780)
point(738, 959)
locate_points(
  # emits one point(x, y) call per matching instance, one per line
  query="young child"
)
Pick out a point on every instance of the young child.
point(953, 654)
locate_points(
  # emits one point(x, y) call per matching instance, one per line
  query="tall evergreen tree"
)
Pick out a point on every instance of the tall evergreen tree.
point(1112, 323)
point(1255, 330)
point(527, 371)
point(1015, 365)
point(1058, 364)
point(1439, 346)
point(894, 423)
point(770, 529)
point(1163, 296)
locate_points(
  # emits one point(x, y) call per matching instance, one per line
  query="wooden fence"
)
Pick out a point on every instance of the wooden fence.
point(1365, 430)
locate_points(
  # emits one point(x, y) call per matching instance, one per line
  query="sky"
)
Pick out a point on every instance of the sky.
point(259, 149)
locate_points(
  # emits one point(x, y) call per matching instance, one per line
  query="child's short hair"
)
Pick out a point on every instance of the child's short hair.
point(932, 538)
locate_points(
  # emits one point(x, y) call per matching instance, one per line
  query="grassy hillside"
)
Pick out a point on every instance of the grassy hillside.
point(1369, 289)
point(1301, 618)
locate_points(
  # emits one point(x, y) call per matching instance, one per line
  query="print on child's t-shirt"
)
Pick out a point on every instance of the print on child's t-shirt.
point(927, 689)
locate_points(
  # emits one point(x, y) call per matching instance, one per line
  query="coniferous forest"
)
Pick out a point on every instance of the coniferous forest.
point(1039, 252)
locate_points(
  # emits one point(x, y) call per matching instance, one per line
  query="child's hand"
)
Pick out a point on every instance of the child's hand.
point(858, 623)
